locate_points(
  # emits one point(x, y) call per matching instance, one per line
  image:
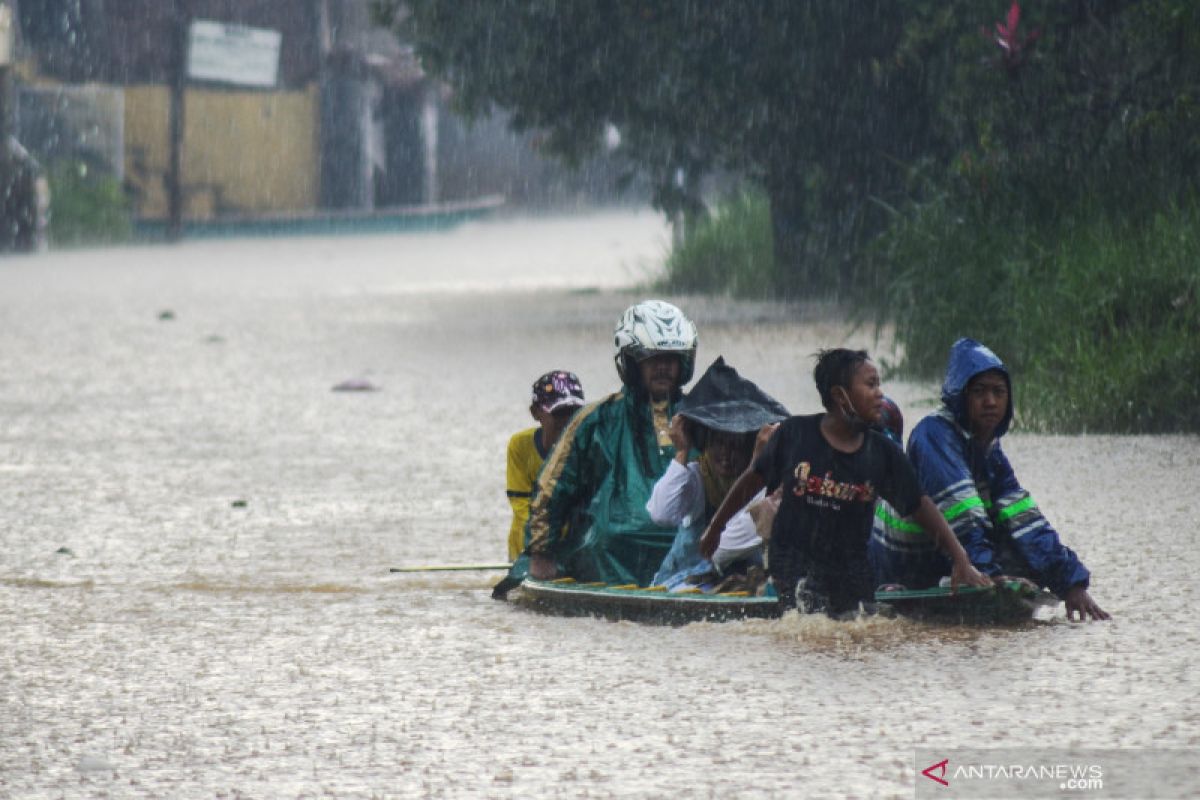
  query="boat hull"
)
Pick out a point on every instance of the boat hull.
point(1008, 603)
point(439, 216)
point(648, 605)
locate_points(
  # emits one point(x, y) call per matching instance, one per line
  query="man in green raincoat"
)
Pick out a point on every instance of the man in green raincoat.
point(588, 517)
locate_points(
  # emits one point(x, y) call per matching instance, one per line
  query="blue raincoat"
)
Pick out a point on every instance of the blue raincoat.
point(974, 486)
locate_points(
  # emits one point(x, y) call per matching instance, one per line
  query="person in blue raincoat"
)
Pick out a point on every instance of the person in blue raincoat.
point(960, 464)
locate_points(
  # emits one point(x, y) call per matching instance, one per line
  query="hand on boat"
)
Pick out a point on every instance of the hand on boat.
point(1003, 579)
point(965, 574)
point(1080, 606)
point(543, 568)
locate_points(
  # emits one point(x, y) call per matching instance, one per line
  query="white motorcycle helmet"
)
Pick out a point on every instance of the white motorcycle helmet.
point(649, 328)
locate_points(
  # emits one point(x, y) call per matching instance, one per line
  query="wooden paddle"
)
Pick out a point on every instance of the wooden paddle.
point(452, 568)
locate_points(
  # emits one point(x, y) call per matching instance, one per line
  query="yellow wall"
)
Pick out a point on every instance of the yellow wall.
point(243, 152)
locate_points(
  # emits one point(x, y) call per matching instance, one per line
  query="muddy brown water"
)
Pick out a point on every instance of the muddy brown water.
point(195, 536)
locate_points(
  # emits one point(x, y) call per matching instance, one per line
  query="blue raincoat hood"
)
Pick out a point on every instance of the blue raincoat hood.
point(969, 358)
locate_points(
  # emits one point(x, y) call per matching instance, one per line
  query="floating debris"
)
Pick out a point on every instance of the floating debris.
point(166, 314)
point(64, 551)
point(356, 385)
point(91, 763)
point(238, 504)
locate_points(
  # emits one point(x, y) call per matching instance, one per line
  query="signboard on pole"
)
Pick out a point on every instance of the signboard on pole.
point(233, 54)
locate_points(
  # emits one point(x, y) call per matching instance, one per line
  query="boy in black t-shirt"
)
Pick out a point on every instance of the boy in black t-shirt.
point(832, 468)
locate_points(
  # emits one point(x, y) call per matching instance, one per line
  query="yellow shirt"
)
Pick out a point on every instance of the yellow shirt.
point(525, 459)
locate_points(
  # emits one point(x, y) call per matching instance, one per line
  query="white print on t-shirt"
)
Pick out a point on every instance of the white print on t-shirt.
point(807, 484)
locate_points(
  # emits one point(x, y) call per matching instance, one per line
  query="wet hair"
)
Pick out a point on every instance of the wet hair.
point(836, 367)
point(702, 435)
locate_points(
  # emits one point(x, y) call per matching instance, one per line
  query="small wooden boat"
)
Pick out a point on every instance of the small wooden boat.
point(565, 597)
point(397, 219)
point(1003, 604)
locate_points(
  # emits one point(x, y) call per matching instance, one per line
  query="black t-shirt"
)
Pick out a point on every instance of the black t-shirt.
point(829, 496)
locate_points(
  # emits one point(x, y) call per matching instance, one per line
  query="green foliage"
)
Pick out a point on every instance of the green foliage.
point(86, 207)
point(829, 105)
point(1056, 219)
point(967, 172)
point(1097, 314)
point(729, 252)
point(1099, 91)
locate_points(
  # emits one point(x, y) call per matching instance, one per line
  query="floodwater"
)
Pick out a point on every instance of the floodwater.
point(195, 536)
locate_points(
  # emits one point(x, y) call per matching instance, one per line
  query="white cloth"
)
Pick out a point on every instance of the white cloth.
point(678, 499)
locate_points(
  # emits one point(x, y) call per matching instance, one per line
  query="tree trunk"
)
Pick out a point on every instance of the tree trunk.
point(788, 233)
point(180, 22)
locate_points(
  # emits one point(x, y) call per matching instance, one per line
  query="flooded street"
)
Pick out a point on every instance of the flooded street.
point(195, 536)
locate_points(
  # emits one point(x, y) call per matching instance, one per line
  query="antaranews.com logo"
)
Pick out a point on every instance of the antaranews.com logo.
point(1034, 773)
point(1071, 776)
point(939, 768)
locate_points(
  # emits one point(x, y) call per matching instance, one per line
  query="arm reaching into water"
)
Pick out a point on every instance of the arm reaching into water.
point(1080, 606)
point(962, 573)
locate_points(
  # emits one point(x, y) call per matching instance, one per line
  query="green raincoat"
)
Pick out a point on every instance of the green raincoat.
point(589, 504)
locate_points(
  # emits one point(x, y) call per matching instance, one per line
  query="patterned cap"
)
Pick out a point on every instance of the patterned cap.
point(557, 389)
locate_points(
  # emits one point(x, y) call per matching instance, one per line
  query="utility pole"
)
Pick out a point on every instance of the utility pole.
point(320, 12)
point(6, 41)
point(11, 196)
point(180, 24)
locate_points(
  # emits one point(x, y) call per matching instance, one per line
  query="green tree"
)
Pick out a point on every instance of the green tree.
point(1063, 225)
point(806, 99)
point(831, 107)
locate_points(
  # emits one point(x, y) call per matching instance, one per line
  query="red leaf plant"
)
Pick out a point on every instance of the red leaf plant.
point(1014, 48)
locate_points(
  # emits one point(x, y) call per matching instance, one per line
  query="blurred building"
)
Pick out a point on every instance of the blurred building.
point(289, 105)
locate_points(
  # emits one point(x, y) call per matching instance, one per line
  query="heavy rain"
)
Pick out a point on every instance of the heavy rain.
point(277, 278)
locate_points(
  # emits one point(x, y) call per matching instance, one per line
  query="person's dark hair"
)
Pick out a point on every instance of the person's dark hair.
point(836, 367)
point(701, 435)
